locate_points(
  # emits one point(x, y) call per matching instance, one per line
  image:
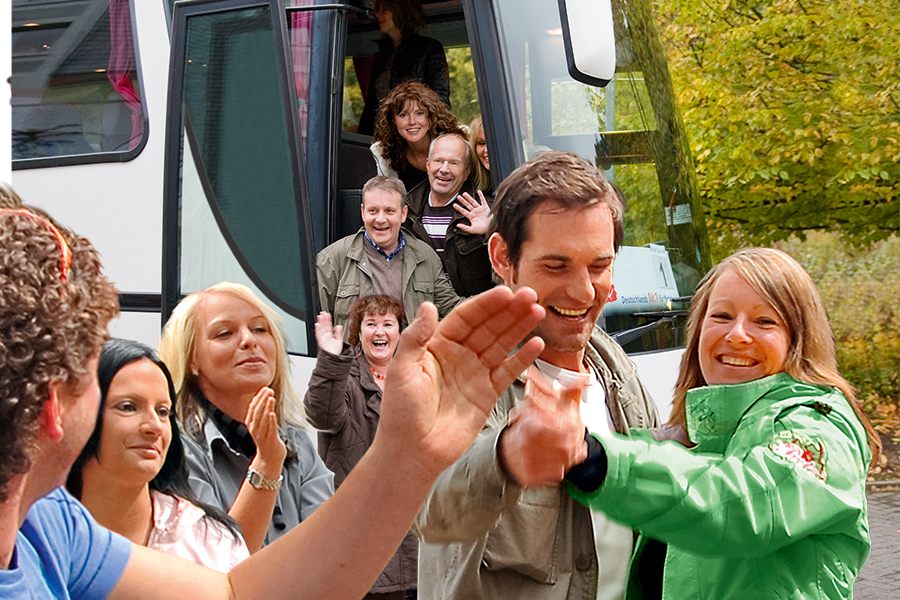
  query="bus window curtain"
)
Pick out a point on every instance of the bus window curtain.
point(301, 34)
point(122, 66)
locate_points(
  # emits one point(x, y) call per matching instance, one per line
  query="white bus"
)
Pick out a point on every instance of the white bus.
point(207, 140)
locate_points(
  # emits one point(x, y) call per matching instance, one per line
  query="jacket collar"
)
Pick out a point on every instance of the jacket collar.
point(357, 251)
point(713, 412)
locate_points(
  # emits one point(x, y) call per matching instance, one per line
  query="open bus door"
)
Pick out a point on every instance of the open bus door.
point(236, 205)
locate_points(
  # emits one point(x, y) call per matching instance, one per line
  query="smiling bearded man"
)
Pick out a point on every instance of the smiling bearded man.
point(556, 229)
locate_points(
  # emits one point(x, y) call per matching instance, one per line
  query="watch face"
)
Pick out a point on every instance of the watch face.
point(260, 482)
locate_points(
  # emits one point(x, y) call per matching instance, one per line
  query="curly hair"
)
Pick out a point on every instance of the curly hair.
point(54, 308)
point(440, 120)
point(371, 305)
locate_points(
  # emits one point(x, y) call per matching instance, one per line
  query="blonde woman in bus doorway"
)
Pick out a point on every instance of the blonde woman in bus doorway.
point(242, 418)
point(132, 474)
point(481, 166)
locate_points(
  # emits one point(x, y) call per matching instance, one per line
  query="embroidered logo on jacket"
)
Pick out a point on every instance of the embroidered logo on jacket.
point(802, 450)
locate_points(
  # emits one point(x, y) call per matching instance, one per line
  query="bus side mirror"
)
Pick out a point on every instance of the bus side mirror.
point(587, 27)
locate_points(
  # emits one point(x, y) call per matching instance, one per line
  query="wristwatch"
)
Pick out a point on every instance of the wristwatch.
point(261, 482)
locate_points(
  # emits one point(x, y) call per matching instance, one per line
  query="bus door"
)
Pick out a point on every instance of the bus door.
point(237, 206)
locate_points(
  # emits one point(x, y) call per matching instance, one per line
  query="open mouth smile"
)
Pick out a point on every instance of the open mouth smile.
point(571, 314)
point(735, 361)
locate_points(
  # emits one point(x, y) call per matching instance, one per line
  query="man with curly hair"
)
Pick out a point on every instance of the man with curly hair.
point(55, 304)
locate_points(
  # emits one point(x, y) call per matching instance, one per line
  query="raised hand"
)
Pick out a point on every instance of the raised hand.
point(328, 338)
point(262, 423)
point(477, 211)
point(545, 435)
point(445, 378)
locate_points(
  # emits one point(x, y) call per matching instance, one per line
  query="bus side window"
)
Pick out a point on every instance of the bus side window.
point(75, 84)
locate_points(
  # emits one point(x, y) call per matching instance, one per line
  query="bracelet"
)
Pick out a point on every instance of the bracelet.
point(259, 481)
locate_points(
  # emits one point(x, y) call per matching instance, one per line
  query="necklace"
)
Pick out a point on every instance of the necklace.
point(375, 373)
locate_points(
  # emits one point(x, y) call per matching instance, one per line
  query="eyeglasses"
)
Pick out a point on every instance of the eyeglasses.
point(443, 161)
point(65, 253)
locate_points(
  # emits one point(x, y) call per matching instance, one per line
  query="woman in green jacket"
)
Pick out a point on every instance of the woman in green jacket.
point(769, 501)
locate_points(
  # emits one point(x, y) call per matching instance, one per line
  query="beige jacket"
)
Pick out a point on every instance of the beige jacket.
point(485, 537)
point(344, 275)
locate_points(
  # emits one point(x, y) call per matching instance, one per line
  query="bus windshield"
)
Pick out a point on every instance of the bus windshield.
point(632, 130)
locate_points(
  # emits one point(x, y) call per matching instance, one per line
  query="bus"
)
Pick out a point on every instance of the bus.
point(206, 140)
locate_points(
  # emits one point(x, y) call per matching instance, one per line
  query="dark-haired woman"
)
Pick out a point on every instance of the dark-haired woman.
point(132, 475)
point(411, 116)
point(403, 55)
point(344, 401)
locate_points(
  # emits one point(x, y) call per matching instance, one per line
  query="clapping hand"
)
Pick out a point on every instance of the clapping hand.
point(262, 423)
point(446, 377)
point(545, 434)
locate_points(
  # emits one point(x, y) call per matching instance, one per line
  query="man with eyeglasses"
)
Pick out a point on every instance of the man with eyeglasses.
point(445, 213)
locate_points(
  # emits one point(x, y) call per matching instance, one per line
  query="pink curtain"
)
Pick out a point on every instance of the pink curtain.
point(301, 34)
point(122, 65)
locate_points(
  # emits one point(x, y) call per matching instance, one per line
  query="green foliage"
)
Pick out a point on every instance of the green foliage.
point(793, 111)
point(463, 94)
point(860, 289)
point(353, 103)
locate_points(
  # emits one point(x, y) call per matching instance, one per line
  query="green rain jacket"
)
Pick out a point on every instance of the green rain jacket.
point(770, 503)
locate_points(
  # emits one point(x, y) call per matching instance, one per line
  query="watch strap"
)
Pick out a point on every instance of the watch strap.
point(260, 482)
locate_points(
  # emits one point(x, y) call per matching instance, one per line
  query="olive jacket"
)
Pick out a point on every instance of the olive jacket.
point(486, 537)
point(344, 275)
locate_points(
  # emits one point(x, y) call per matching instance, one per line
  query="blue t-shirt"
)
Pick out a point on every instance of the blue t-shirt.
point(62, 553)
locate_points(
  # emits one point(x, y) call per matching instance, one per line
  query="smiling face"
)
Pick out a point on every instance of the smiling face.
point(742, 337)
point(378, 335)
point(234, 352)
point(447, 168)
point(482, 153)
point(412, 122)
point(382, 213)
point(567, 259)
point(136, 429)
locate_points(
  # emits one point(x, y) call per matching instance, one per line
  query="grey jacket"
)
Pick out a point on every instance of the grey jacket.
point(486, 537)
point(344, 275)
point(343, 402)
point(217, 473)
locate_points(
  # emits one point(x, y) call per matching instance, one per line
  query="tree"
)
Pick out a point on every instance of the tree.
point(793, 112)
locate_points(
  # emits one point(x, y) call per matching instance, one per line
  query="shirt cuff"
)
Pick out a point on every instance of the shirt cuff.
point(589, 475)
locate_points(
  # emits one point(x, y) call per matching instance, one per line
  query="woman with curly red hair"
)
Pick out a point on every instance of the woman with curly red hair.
point(410, 117)
point(403, 55)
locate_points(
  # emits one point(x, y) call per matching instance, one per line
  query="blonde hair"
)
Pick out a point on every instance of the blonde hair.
point(790, 291)
point(481, 176)
point(178, 343)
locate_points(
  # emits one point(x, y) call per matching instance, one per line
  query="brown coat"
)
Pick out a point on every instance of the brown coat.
point(343, 402)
